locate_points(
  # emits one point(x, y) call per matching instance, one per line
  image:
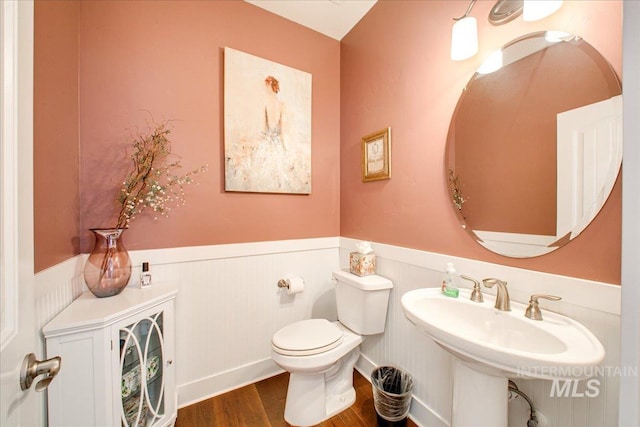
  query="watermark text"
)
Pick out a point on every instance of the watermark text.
point(576, 381)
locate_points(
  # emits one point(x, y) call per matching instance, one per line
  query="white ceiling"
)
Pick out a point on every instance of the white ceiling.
point(334, 18)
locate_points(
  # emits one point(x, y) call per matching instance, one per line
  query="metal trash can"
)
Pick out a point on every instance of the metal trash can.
point(392, 389)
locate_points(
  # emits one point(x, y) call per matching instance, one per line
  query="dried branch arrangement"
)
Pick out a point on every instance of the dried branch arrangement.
point(152, 182)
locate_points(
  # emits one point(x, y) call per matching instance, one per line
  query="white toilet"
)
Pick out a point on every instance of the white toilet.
point(320, 355)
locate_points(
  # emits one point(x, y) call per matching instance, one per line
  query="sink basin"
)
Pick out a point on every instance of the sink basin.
point(506, 341)
point(554, 348)
point(490, 345)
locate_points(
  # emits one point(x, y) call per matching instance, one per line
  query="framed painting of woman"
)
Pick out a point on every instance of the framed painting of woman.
point(267, 125)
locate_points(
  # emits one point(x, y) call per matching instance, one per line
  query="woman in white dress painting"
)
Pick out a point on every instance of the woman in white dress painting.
point(269, 155)
point(268, 163)
point(273, 109)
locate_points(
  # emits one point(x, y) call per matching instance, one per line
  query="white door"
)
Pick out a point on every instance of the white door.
point(589, 158)
point(18, 335)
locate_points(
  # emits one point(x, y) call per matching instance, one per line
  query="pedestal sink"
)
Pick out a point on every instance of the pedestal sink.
point(491, 345)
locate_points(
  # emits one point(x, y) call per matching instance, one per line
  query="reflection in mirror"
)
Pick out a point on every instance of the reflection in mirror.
point(535, 144)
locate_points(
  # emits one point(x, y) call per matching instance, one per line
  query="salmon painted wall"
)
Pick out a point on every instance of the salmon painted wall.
point(56, 144)
point(396, 71)
point(142, 60)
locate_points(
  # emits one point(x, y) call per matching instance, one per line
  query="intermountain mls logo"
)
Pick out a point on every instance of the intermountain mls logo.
point(587, 387)
point(572, 388)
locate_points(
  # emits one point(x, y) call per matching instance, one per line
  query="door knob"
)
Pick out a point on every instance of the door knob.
point(31, 368)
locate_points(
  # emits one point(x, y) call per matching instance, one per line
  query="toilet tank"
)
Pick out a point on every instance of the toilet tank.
point(362, 302)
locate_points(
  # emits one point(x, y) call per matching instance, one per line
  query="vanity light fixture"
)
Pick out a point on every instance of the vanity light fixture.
point(464, 34)
point(535, 10)
point(505, 11)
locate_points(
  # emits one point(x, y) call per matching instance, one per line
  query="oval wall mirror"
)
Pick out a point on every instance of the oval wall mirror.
point(535, 144)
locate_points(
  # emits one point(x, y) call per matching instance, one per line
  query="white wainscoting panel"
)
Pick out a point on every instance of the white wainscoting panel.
point(228, 309)
point(596, 305)
point(56, 288)
point(229, 306)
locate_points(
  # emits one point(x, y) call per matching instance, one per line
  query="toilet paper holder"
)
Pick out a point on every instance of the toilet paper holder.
point(293, 284)
point(283, 283)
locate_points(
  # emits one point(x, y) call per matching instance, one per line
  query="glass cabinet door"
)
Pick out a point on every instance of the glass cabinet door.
point(141, 367)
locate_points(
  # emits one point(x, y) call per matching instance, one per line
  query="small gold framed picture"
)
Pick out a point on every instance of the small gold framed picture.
point(376, 155)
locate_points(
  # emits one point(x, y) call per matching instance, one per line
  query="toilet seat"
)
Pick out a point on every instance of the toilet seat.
point(306, 338)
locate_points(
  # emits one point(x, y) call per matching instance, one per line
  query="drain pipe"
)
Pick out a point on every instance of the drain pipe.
point(533, 420)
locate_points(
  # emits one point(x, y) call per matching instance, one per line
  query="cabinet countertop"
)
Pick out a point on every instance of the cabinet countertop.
point(89, 312)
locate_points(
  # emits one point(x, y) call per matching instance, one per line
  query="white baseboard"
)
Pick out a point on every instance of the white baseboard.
point(223, 382)
point(419, 413)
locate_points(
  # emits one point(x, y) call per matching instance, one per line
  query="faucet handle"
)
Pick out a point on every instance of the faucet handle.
point(533, 310)
point(476, 294)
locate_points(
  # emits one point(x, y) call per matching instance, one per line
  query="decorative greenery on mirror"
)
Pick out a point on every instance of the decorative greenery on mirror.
point(534, 147)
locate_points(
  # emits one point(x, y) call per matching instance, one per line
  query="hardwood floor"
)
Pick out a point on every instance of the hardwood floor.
point(262, 405)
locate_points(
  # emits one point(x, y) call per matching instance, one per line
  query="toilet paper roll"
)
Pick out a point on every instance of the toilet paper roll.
point(296, 285)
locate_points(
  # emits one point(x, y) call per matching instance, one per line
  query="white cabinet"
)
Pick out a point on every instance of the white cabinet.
point(118, 366)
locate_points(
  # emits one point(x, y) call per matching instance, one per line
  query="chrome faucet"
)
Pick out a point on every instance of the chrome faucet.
point(502, 296)
point(476, 294)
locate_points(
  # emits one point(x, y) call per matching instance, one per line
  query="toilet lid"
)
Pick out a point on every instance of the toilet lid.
point(307, 337)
